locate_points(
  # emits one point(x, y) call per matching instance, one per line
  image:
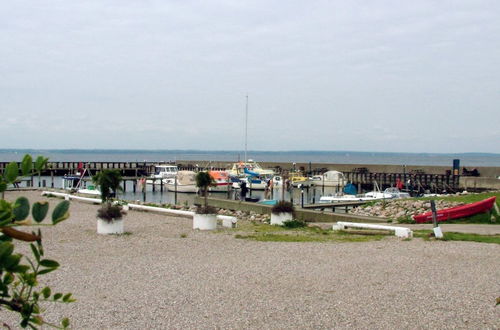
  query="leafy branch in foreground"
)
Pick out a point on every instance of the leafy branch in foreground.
point(19, 274)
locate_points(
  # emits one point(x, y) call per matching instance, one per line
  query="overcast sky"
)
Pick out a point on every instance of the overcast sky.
point(409, 76)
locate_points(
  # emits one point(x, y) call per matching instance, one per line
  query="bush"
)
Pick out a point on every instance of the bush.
point(294, 224)
point(110, 212)
point(283, 207)
point(206, 209)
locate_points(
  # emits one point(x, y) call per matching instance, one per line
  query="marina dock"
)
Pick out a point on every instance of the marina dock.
point(433, 178)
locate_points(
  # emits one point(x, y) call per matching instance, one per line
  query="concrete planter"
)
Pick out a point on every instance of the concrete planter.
point(205, 221)
point(106, 228)
point(279, 218)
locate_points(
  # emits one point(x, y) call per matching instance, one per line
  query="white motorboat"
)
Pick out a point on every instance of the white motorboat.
point(162, 171)
point(329, 179)
point(186, 182)
point(389, 193)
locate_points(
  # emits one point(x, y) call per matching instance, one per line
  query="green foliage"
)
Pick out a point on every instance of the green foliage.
point(20, 273)
point(41, 163)
point(110, 212)
point(61, 212)
point(203, 181)
point(283, 207)
point(205, 209)
point(21, 209)
point(267, 233)
point(108, 182)
point(39, 211)
point(453, 236)
point(294, 224)
point(11, 172)
point(26, 165)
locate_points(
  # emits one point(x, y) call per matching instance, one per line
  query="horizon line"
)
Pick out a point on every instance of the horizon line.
point(240, 151)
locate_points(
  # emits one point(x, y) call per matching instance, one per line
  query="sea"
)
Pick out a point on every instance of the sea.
point(326, 157)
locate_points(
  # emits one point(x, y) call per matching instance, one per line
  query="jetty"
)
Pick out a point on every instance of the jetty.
point(433, 178)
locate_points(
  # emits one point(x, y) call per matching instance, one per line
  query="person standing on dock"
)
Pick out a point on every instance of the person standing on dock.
point(243, 191)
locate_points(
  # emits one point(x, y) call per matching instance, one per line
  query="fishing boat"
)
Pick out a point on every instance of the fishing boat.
point(222, 181)
point(186, 182)
point(458, 211)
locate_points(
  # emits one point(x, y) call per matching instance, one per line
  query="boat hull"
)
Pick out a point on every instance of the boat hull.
point(189, 188)
point(457, 211)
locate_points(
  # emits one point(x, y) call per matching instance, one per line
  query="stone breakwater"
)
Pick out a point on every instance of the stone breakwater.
point(402, 209)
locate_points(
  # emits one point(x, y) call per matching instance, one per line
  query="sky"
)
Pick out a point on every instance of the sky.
point(400, 76)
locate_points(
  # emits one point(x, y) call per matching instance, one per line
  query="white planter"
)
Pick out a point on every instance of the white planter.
point(114, 227)
point(279, 218)
point(205, 221)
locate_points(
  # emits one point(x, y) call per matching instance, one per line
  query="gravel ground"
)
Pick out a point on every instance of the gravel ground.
point(154, 278)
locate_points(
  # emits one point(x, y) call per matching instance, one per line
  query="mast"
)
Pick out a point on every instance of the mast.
point(246, 130)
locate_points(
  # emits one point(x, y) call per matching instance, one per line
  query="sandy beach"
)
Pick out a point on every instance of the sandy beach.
point(156, 278)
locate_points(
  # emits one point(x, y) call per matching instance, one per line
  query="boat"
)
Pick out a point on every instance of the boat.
point(222, 181)
point(162, 171)
point(457, 211)
point(389, 193)
point(186, 182)
point(76, 182)
point(296, 179)
point(329, 179)
point(238, 169)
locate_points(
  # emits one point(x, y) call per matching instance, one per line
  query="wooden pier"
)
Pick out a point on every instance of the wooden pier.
point(362, 179)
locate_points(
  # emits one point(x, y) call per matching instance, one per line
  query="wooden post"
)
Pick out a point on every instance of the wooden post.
point(175, 190)
point(124, 185)
point(437, 231)
point(52, 179)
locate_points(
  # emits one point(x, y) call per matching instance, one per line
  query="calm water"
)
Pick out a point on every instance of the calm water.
point(332, 157)
point(310, 195)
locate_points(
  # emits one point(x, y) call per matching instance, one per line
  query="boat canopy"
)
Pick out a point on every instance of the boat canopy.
point(219, 175)
point(186, 177)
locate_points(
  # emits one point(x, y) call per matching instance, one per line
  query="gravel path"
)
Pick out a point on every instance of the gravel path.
point(154, 278)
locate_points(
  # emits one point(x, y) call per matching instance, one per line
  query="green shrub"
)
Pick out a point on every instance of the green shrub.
point(294, 224)
point(110, 212)
point(283, 207)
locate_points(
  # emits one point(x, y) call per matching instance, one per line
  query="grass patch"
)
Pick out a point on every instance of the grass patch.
point(453, 236)
point(266, 233)
point(184, 235)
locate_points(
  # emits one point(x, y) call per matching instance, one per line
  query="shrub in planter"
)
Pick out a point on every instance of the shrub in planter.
point(205, 217)
point(282, 212)
point(109, 212)
point(109, 215)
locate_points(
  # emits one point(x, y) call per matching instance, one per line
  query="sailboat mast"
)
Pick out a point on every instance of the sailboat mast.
point(246, 129)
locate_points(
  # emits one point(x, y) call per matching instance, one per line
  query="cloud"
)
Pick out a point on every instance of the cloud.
point(319, 75)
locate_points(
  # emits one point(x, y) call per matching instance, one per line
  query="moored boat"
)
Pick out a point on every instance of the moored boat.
point(222, 181)
point(162, 171)
point(457, 211)
point(186, 182)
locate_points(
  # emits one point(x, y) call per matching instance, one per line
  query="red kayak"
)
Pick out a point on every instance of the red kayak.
point(457, 211)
